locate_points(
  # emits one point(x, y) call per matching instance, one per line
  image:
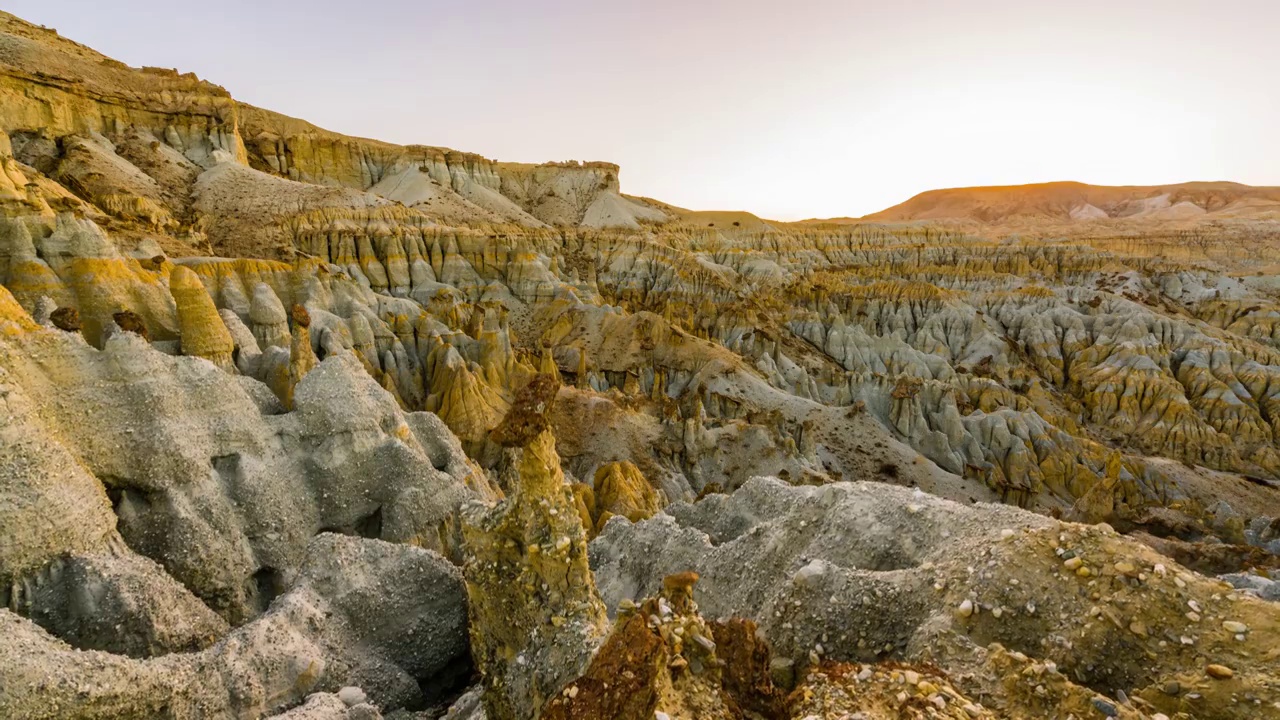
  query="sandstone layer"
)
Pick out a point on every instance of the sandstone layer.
point(305, 425)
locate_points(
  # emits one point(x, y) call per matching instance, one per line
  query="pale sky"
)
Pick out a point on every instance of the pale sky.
point(788, 108)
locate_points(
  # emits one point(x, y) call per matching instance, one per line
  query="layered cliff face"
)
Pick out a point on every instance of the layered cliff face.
point(241, 354)
point(449, 185)
point(136, 145)
point(54, 88)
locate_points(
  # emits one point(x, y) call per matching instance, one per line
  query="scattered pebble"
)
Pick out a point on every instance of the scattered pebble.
point(1219, 672)
point(1106, 708)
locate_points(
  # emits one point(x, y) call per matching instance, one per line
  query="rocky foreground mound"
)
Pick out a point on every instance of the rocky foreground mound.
point(1028, 616)
point(303, 425)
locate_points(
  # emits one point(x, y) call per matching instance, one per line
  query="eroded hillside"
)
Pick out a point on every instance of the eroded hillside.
point(310, 424)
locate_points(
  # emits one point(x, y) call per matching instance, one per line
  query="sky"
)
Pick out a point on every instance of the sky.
point(788, 108)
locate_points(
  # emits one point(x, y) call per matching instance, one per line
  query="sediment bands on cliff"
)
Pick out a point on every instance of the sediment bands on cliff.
point(290, 412)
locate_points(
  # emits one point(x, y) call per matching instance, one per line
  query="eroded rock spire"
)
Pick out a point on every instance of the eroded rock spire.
point(536, 616)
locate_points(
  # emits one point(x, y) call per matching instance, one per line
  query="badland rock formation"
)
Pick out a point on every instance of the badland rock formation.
point(313, 426)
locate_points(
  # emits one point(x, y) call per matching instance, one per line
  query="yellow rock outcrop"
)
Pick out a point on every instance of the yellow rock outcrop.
point(201, 330)
point(621, 489)
point(536, 617)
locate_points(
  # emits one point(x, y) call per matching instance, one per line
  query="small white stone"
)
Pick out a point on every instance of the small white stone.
point(351, 696)
point(966, 608)
point(810, 574)
point(1006, 533)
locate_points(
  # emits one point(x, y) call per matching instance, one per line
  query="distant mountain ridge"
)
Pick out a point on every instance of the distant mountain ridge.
point(1070, 202)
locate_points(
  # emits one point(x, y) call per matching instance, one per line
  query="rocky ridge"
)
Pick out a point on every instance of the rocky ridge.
point(268, 388)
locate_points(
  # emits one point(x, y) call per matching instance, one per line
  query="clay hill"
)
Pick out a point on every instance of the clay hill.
point(308, 426)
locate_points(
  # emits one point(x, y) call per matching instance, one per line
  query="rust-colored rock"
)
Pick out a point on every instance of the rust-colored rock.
point(66, 318)
point(661, 658)
point(130, 321)
point(746, 678)
point(300, 316)
point(530, 413)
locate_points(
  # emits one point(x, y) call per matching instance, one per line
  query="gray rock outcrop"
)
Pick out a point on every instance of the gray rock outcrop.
point(320, 636)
